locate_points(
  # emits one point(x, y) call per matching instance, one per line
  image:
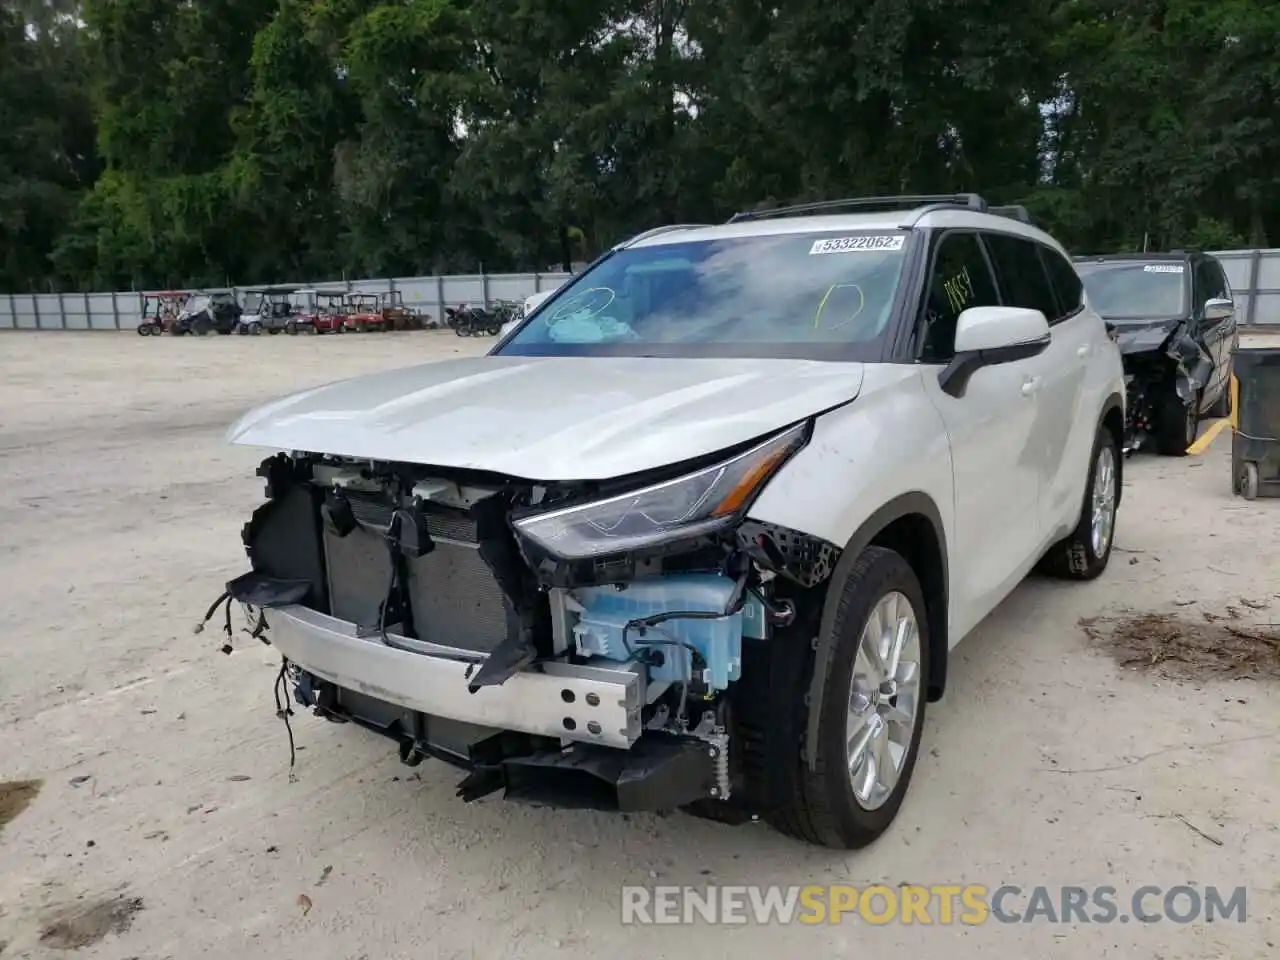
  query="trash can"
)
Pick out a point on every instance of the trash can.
point(1255, 423)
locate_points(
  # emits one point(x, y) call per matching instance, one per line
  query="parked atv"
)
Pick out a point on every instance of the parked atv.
point(469, 321)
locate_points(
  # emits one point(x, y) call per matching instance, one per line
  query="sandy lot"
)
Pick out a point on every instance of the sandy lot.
point(162, 822)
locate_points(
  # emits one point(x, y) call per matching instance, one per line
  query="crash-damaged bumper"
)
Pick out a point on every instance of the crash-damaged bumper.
point(1159, 357)
point(406, 602)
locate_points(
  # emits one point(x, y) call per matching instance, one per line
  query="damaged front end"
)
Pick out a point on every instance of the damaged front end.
point(633, 644)
point(1162, 360)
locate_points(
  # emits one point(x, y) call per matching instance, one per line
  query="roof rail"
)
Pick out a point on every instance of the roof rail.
point(969, 201)
point(657, 231)
point(1015, 211)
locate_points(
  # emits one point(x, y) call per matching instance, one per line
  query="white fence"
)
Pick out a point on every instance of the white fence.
point(1254, 276)
point(121, 311)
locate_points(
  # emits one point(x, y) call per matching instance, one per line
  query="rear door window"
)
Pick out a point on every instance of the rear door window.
point(1067, 286)
point(958, 279)
point(1021, 273)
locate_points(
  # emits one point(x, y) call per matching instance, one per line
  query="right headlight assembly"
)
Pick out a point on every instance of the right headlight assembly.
point(696, 504)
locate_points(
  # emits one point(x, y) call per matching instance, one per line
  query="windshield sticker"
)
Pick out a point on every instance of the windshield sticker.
point(857, 244)
point(958, 289)
point(1163, 268)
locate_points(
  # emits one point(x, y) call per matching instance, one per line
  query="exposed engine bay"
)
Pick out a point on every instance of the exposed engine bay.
point(454, 612)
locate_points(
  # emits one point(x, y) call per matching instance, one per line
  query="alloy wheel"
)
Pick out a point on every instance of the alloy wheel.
point(884, 698)
point(1103, 512)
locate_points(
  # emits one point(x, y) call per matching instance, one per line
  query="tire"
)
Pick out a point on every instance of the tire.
point(1248, 480)
point(144, 329)
point(824, 808)
point(1082, 556)
point(272, 331)
point(1176, 424)
point(291, 328)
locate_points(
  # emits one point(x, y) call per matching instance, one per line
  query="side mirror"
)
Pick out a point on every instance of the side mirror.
point(986, 336)
point(1217, 309)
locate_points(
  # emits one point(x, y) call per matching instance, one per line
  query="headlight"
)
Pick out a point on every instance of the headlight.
point(702, 502)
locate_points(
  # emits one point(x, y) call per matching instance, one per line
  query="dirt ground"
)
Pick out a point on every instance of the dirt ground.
point(163, 823)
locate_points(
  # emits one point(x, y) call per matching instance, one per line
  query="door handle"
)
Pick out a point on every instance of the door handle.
point(1030, 386)
point(1084, 350)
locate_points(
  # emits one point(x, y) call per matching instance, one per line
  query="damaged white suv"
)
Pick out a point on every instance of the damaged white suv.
point(702, 530)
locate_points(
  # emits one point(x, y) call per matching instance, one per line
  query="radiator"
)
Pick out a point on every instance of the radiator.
point(454, 598)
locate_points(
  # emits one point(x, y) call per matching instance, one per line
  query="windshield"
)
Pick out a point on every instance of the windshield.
point(197, 304)
point(819, 296)
point(1128, 289)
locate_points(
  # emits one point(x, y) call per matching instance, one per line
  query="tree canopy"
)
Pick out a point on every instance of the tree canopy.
point(152, 143)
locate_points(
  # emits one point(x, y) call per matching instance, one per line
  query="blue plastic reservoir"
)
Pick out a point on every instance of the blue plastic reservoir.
point(606, 610)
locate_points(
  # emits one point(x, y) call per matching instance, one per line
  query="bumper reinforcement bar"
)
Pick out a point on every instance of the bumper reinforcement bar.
point(585, 703)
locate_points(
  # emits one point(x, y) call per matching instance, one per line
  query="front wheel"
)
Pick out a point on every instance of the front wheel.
point(1176, 424)
point(1085, 554)
point(872, 709)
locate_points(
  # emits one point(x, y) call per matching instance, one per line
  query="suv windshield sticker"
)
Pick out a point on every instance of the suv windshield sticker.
point(958, 289)
point(1163, 268)
point(857, 244)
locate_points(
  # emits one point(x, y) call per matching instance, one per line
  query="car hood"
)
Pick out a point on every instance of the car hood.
point(1139, 336)
point(551, 418)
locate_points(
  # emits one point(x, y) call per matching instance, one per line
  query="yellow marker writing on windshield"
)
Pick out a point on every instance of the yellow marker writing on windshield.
point(862, 302)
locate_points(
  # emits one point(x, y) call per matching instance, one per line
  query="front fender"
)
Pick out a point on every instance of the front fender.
point(881, 458)
point(891, 440)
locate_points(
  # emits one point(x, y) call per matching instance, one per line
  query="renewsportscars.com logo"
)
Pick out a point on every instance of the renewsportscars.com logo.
point(940, 904)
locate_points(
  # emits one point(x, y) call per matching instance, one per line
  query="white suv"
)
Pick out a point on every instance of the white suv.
point(703, 530)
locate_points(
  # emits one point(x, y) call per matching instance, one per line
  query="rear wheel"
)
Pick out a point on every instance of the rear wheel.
point(1176, 423)
point(1248, 481)
point(1085, 554)
point(872, 710)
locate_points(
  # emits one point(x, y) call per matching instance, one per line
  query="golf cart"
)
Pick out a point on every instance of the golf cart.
point(396, 315)
point(204, 313)
point(267, 308)
point(327, 312)
point(364, 312)
point(159, 310)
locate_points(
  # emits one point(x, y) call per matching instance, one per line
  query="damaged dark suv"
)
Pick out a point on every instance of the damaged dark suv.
point(1174, 318)
point(702, 529)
